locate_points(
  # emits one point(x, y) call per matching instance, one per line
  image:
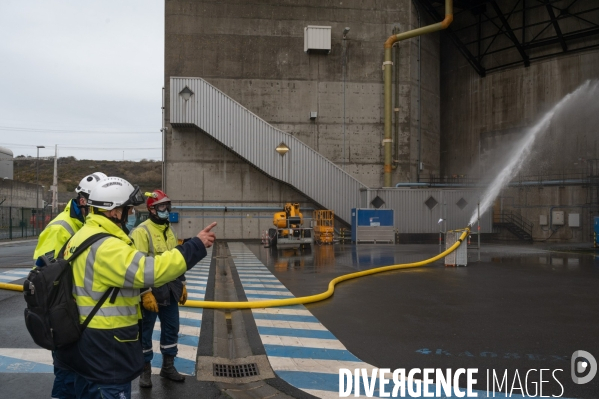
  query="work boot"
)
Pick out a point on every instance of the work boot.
point(168, 369)
point(145, 379)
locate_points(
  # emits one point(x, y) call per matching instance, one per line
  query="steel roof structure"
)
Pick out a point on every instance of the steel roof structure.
point(497, 34)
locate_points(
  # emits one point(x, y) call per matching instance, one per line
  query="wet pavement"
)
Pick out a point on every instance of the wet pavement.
point(520, 308)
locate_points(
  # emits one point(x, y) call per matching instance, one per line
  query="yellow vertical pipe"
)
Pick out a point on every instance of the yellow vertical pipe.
point(387, 79)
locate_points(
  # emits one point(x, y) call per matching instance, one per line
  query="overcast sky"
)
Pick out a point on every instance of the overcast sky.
point(86, 75)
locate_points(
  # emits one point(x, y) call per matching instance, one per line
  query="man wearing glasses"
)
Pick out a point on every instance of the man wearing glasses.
point(154, 237)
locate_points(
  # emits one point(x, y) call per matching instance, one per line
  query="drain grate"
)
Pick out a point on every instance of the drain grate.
point(235, 370)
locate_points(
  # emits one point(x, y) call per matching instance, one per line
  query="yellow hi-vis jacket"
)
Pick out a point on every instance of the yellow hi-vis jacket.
point(154, 239)
point(109, 350)
point(58, 232)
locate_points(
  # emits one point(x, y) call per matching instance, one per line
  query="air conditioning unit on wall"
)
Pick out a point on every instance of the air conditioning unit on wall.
point(317, 39)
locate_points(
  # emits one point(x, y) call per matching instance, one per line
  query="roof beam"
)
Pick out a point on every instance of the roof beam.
point(552, 40)
point(523, 21)
point(558, 31)
point(510, 33)
point(478, 38)
point(570, 36)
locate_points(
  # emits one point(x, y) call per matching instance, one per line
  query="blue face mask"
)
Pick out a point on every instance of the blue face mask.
point(162, 215)
point(131, 219)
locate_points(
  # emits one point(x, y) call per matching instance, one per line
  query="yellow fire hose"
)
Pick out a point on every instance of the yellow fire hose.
point(12, 287)
point(304, 299)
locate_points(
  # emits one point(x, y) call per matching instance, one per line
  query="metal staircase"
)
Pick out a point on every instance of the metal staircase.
point(515, 224)
point(195, 102)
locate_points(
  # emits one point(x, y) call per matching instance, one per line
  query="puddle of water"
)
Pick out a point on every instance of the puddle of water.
point(366, 256)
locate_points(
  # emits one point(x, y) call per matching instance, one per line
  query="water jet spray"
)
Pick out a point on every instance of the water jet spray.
point(523, 150)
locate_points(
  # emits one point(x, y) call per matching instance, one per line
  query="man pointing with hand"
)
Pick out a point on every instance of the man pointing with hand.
point(108, 354)
point(207, 236)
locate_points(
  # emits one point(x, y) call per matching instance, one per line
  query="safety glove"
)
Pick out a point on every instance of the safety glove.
point(149, 302)
point(183, 298)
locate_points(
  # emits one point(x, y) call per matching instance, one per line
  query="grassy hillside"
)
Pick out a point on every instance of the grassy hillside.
point(146, 174)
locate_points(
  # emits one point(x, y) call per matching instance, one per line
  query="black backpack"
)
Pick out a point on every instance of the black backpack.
point(51, 315)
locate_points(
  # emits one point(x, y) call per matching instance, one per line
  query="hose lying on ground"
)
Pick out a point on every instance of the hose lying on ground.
point(12, 287)
point(304, 299)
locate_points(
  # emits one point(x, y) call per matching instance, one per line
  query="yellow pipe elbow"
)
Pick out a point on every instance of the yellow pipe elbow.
point(447, 21)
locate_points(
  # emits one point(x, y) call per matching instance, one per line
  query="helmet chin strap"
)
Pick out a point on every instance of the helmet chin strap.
point(123, 220)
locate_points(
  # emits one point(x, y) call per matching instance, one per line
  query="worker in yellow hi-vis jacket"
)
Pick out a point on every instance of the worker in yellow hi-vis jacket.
point(154, 237)
point(50, 242)
point(108, 356)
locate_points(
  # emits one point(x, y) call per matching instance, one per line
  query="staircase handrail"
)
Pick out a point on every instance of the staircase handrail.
point(255, 140)
point(518, 220)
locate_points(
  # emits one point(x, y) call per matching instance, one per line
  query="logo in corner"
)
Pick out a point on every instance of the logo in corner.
point(583, 362)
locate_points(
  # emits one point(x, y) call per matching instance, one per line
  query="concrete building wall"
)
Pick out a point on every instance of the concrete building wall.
point(19, 194)
point(202, 172)
point(254, 52)
point(534, 202)
point(484, 118)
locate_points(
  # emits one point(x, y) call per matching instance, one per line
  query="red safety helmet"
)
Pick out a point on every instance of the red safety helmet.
point(156, 197)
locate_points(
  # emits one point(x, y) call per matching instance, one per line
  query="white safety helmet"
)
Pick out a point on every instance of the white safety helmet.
point(89, 182)
point(113, 192)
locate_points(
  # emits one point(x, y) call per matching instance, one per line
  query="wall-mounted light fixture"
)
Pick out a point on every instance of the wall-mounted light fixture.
point(345, 32)
point(282, 149)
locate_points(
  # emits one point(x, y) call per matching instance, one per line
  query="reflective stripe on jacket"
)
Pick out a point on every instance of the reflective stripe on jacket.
point(115, 262)
point(109, 350)
point(58, 231)
point(154, 239)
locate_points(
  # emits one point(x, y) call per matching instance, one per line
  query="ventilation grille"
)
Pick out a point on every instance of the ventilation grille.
point(235, 371)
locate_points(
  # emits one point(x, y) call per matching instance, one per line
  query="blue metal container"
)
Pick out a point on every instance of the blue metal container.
point(173, 217)
point(369, 217)
point(596, 242)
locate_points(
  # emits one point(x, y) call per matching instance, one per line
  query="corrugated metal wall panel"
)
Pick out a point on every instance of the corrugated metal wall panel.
point(255, 140)
point(412, 215)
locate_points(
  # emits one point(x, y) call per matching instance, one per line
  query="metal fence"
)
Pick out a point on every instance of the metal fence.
point(16, 222)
